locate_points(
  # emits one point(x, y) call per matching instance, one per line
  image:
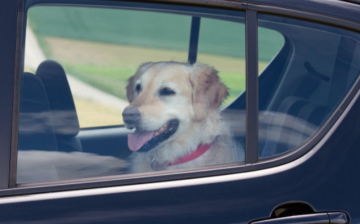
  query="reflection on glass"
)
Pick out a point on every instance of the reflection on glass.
point(43, 166)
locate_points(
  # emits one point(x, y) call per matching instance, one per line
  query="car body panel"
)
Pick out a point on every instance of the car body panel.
point(8, 12)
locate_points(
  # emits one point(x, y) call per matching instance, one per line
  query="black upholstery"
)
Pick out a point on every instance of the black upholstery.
point(66, 124)
point(36, 131)
point(37, 145)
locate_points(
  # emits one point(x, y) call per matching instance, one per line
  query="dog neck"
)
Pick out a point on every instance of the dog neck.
point(201, 149)
point(198, 133)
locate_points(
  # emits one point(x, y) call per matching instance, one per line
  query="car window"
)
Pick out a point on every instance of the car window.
point(305, 82)
point(87, 69)
point(105, 56)
point(225, 50)
point(101, 49)
point(270, 42)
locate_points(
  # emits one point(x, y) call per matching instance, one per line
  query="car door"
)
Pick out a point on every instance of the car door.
point(293, 80)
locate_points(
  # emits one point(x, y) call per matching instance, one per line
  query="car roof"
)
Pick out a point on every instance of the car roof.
point(344, 9)
point(348, 10)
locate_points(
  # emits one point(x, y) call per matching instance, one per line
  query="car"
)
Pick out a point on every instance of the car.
point(292, 72)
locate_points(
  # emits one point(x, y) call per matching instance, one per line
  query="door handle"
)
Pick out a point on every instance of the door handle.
point(316, 218)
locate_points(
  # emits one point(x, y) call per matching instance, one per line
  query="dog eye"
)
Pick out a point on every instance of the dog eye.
point(166, 92)
point(138, 88)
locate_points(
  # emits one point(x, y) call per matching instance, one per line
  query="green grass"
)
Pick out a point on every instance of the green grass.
point(149, 29)
point(108, 66)
point(104, 47)
point(110, 80)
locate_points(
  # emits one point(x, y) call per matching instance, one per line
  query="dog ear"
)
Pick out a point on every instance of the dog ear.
point(130, 88)
point(208, 91)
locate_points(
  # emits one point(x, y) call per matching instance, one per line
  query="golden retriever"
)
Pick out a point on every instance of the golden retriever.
point(174, 108)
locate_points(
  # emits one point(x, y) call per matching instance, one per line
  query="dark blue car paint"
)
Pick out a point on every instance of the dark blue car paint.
point(328, 180)
point(8, 12)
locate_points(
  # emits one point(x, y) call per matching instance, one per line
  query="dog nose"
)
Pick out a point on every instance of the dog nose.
point(131, 115)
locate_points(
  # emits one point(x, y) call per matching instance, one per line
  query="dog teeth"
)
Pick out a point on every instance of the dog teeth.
point(161, 130)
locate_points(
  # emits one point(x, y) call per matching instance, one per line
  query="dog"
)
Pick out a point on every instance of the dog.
point(174, 108)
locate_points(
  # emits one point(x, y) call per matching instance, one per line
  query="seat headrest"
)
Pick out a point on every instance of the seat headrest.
point(37, 137)
point(36, 130)
point(61, 102)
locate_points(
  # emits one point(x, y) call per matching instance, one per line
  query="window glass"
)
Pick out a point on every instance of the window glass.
point(225, 50)
point(102, 48)
point(270, 42)
point(88, 69)
point(305, 82)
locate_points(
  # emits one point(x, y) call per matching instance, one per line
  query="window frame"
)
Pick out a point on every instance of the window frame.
point(9, 46)
point(251, 80)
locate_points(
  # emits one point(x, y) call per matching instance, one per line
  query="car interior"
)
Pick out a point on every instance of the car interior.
point(306, 87)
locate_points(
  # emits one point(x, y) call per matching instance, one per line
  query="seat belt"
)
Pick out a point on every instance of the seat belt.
point(341, 72)
point(310, 83)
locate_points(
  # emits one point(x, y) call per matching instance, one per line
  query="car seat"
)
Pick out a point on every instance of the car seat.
point(36, 132)
point(66, 124)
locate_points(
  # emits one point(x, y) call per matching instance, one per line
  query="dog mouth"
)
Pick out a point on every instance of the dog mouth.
point(144, 141)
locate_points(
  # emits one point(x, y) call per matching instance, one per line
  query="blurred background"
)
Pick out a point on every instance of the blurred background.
point(101, 48)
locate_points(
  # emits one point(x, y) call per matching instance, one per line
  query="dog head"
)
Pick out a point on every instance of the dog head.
point(166, 98)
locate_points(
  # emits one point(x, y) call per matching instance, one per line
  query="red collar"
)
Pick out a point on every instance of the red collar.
point(201, 149)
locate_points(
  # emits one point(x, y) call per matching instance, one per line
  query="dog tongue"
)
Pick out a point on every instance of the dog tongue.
point(138, 139)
